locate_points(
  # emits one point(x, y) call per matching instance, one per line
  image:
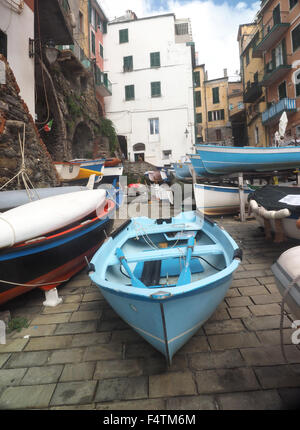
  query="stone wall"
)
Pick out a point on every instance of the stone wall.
point(66, 94)
point(14, 115)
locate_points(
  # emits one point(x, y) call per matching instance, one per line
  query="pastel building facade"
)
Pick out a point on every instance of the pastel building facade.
point(152, 106)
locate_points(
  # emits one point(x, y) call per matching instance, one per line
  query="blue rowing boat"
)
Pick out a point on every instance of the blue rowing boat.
point(165, 278)
point(229, 159)
point(182, 170)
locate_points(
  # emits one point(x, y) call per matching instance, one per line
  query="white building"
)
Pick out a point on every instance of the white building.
point(150, 64)
point(16, 28)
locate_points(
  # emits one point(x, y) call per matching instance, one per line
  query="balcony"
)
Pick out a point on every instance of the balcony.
point(54, 22)
point(103, 85)
point(272, 32)
point(273, 73)
point(272, 114)
point(252, 92)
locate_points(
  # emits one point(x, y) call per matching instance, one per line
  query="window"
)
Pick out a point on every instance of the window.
point(276, 15)
point(154, 126)
point(296, 38)
point(282, 90)
point(198, 98)
point(197, 79)
point(155, 89)
point(129, 92)
point(216, 115)
point(3, 44)
point(128, 64)
point(293, 3)
point(198, 118)
point(104, 27)
point(101, 50)
point(215, 92)
point(167, 154)
point(181, 29)
point(297, 84)
point(123, 35)
point(256, 136)
point(155, 59)
point(93, 43)
point(255, 77)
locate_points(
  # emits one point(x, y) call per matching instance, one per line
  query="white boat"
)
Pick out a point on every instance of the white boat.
point(37, 218)
point(14, 198)
point(218, 200)
point(287, 275)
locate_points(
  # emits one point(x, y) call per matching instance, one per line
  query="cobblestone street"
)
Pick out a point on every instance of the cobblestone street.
point(81, 355)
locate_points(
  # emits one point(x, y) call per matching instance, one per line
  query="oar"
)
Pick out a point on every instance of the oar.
point(135, 281)
point(186, 275)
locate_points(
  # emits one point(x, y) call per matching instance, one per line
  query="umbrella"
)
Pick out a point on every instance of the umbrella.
point(282, 124)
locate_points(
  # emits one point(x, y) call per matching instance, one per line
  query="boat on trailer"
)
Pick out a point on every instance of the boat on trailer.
point(166, 277)
point(50, 253)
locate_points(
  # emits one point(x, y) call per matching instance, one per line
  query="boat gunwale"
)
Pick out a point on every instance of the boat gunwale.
point(201, 284)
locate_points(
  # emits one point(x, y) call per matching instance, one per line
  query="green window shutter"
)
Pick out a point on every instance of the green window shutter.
point(198, 118)
point(222, 114)
point(198, 98)
point(123, 35)
point(216, 98)
point(210, 116)
point(197, 79)
point(127, 64)
point(129, 92)
point(101, 51)
point(155, 59)
point(93, 43)
point(104, 27)
point(155, 89)
point(296, 38)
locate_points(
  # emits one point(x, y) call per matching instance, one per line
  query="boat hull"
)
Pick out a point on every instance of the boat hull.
point(50, 262)
point(182, 170)
point(163, 323)
point(286, 270)
point(217, 200)
point(225, 160)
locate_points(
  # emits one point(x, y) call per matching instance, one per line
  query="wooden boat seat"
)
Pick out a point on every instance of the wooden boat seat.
point(160, 254)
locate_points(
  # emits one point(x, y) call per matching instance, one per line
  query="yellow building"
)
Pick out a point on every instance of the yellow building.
point(211, 105)
point(83, 23)
point(252, 72)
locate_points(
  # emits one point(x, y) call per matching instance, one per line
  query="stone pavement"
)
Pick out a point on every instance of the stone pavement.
point(81, 355)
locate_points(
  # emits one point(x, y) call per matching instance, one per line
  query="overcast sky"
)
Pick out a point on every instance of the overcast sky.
point(215, 25)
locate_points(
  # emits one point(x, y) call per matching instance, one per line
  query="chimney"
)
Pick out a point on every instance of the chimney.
point(225, 73)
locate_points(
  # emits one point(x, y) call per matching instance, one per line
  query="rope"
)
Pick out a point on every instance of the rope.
point(34, 285)
point(22, 172)
point(290, 286)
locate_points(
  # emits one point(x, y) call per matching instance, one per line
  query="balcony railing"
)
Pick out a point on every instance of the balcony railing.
point(252, 92)
point(274, 112)
point(272, 32)
point(103, 85)
point(274, 73)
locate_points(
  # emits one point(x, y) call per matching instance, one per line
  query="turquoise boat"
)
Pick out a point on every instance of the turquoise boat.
point(230, 159)
point(166, 277)
point(182, 170)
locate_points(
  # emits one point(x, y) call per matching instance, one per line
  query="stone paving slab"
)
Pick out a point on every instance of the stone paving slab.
point(80, 355)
